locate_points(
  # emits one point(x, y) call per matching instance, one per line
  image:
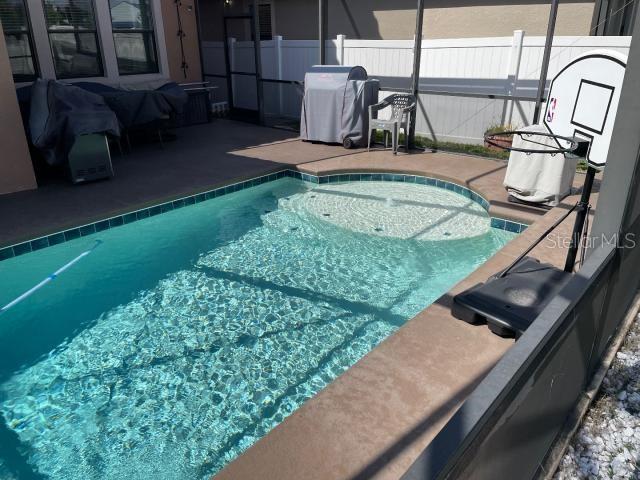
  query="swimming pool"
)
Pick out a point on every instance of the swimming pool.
point(185, 337)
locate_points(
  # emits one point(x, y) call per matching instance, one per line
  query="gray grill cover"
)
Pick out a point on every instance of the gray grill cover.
point(336, 104)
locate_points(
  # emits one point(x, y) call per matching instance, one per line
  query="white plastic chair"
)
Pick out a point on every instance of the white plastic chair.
point(402, 105)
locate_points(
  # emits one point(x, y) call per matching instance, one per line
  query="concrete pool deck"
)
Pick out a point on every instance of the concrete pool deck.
point(375, 419)
point(207, 156)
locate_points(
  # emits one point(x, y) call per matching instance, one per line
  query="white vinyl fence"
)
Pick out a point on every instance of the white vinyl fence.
point(483, 66)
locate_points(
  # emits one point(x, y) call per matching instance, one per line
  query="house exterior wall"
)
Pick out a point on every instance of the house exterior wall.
point(16, 169)
point(385, 20)
point(190, 41)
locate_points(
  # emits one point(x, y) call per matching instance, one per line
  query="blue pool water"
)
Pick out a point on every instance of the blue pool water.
point(185, 337)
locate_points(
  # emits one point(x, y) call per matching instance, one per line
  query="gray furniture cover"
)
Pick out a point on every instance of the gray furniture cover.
point(60, 113)
point(336, 103)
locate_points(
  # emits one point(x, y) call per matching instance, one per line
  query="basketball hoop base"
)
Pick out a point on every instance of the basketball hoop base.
point(512, 199)
point(511, 303)
point(511, 300)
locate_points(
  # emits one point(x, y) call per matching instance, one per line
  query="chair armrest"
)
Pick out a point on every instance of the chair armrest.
point(379, 106)
point(374, 109)
point(409, 108)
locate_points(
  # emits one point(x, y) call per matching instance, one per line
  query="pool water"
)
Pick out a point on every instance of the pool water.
point(184, 338)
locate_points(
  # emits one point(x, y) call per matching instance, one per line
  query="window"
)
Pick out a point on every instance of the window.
point(71, 25)
point(264, 19)
point(17, 35)
point(133, 36)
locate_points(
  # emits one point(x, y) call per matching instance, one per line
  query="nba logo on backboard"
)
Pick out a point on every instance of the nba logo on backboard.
point(551, 111)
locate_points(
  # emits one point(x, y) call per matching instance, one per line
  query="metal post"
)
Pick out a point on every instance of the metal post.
point(545, 60)
point(415, 76)
point(199, 32)
point(278, 48)
point(227, 64)
point(255, 33)
point(322, 30)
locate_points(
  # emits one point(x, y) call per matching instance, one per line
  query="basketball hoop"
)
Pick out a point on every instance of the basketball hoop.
point(503, 140)
point(578, 121)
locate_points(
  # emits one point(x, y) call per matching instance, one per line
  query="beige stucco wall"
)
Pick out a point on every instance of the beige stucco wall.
point(191, 49)
point(385, 19)
point(16, 169)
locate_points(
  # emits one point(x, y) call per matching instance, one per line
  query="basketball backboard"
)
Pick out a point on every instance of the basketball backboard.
point(583, 101)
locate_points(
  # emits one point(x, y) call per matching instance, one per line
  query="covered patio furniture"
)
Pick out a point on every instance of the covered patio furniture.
point(142, 106)
point(540, 179)
point(69, 126)
point(402, 105)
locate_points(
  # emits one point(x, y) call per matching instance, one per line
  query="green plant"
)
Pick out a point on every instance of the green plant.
point(468, 149)
point(465, 148)
point(499, 128)
point(582, 166)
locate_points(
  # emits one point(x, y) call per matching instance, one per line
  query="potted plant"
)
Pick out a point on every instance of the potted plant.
point(499, 140)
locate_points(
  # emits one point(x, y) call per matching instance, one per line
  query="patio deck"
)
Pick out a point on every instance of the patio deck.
point(206, 156)
point(374, 419)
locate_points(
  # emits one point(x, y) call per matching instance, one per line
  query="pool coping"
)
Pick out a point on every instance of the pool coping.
point(50, 240)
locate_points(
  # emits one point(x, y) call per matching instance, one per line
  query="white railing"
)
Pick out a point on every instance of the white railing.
point(482, 66)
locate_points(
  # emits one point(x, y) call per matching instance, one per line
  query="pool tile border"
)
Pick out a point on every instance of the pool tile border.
point(130, 217)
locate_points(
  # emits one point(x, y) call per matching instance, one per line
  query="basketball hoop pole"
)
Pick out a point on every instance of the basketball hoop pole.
point(581, 216)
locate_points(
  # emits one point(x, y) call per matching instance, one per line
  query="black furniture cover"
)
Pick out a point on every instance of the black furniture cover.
point(138, 107)
point(60, 113)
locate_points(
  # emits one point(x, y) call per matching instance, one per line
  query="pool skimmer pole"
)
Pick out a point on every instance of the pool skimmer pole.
point(51, 277)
